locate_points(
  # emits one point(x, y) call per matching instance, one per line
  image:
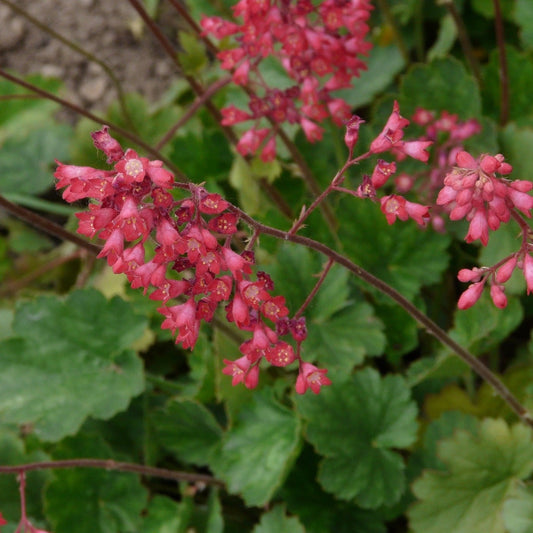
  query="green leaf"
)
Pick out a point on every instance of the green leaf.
point(383, 64)
point(520, 79)
point(187, 429)
point(70, 360)
point(486, 7)
point(445, 39)
point(518, 511)
point(443, 84)
point(19, 116)
point(193, 59)
point(275, 521)
point(355, 425)
point(258, 450)
point(401, 254)
point(93, 500)
point(523, 16)
point(27, 162)
point(340, 333)
point(12, 452)
point(482, 471)
point(516, 146)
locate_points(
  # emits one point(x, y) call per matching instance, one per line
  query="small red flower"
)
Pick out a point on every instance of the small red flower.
point(311, 377)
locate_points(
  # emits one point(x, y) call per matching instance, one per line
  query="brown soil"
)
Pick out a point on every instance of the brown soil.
point(112, 30)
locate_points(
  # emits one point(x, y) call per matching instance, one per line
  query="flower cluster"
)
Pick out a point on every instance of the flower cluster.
point(317, 45)
point(390, 139)
point(472, 190)
point(135, 212)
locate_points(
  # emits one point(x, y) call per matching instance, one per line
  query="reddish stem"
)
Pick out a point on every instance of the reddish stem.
point(317, 286)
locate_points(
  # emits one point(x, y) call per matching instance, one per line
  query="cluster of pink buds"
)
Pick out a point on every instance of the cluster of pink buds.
point(390, 139)
point(317, 45)
point(473, 191)
point(134, 211)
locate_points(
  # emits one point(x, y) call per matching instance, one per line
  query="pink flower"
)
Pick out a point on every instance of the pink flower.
point(471, 295)
point(111, 147)
point(311, 377)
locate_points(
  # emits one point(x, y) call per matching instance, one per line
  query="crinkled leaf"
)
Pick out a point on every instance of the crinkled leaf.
point(276, 521)
point(70, 360)
point(481, 473)
point(258, 450)
point(90, 500)
point(187, 429)
point(443, 84)
point(518, 511)
point(319, 511)
point(27, 162)
point(399, 254)
point(355, 425)
point(340, 333)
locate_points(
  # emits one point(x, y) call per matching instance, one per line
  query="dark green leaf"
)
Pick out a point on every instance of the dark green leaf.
point(276, 521)
point(70, 360)
point(188, 429)
point(258, 450)
point(355, 425)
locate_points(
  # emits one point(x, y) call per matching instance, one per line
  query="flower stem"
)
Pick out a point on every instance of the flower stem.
point(475, 364)
point(110, 464)
point(317, 286)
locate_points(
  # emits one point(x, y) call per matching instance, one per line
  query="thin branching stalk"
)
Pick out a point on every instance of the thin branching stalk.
point(315, 289)
point(80, 50)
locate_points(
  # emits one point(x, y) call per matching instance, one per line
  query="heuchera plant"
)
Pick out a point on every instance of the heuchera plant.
point(329, 167)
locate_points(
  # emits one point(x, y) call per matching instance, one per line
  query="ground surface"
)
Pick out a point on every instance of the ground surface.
point(111, 29)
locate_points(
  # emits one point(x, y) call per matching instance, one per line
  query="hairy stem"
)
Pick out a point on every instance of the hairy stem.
point(315, 289)
point(110, 464)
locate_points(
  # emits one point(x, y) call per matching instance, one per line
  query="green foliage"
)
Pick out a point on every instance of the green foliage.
point(69, 359)
point(270, 434)
point(364, 417)
point(406, 437)
point(469, 496)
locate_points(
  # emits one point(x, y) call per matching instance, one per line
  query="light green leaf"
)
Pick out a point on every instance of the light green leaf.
point(187, 429)
point(516, 145)
point(258, 450)
point(523, 16)
point(445, 39)
point(94, 500)
point(69, 360)
point(275, 521)
point(355, 425)
point(26, 163)
point(193, 59)
point(518, 511)
point(482, 471)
